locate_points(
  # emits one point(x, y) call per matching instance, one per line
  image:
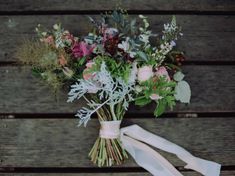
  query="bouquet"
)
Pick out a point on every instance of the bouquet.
point(120, 62)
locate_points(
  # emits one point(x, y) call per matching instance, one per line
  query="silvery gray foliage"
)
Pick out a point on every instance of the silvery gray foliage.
point(110, 91)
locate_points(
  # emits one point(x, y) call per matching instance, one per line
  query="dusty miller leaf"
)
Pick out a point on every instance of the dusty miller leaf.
point(183, 92)
point(178, 76)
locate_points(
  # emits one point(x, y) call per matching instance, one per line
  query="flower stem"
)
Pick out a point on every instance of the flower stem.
point(112, 112)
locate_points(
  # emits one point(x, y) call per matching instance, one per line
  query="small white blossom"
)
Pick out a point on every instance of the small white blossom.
point(125, 45)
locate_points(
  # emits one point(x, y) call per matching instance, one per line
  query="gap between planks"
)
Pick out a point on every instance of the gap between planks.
point(131, 12)
point(127, 115)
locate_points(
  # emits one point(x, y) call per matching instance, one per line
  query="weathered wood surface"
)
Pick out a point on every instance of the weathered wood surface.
point(59, 143)
point(39, 5)
point(206, 38)
point(186, 173)
point(20, 92)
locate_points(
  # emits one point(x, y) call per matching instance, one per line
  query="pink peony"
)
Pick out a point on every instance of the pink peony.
point(82, 49)
point(155, 97)
point(145, 73)
point(161, 71)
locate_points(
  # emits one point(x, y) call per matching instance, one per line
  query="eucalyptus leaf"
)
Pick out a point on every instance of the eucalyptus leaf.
point(142, 55)
point(178, 76)
point(183, 92)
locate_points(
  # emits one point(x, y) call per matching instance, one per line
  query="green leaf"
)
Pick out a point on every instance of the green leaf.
point(36, 72)
point(81, 61)
point(142, 101)
point(173, 21)
point(142, 55)
point(183, 92)
point(178, 76)
point(161, 106)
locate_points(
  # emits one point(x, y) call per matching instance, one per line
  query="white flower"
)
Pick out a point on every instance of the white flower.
point(145, 73)
point(138, 89)
point(142, 16)
point(144, 38)
point(133, 73)
point(111, 31)
point(132, 54)
point(56, 26)
point(173, 43)
point(124, 45)
point(155, 97)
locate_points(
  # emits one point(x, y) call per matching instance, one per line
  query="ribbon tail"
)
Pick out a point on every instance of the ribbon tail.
point(130, 135)
point(148, 158)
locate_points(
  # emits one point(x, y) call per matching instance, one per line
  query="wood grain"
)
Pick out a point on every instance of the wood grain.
point(188, 173)
point(181, 5)
point(206, 38)
point(20, 92)
point(59, 143)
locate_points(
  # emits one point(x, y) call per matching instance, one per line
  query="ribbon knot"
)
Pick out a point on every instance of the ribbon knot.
point(135, 139)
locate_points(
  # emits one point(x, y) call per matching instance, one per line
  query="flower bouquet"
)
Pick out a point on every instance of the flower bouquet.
point(121, 62)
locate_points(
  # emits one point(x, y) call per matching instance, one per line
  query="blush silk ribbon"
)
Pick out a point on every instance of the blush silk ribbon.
point(135, 139)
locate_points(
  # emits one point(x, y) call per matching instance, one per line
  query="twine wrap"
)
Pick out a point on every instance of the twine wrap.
point(110, 129)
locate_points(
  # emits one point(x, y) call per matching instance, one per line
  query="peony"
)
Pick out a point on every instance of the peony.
point(155, 97)
point(145, 73)
point(82, 49)
point(161, 71)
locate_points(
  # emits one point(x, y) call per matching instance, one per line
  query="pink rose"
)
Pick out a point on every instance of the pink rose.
point(89, 64)
point(82, 49)
point(161, 71)
point(87, 71)
point(155, 97)
point(144, 73)
point(86, 75)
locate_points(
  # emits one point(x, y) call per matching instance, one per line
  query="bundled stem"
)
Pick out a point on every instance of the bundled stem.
point(108, 152)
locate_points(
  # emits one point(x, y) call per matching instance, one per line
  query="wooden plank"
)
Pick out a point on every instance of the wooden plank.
point(60, 143)
point(178, 5)
point(76, 174)
point(212, 91)
point(206, 38)
point(187, 173)
point(20, 92)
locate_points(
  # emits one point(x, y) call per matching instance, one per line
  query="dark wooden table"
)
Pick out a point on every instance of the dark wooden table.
point(38, 135)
